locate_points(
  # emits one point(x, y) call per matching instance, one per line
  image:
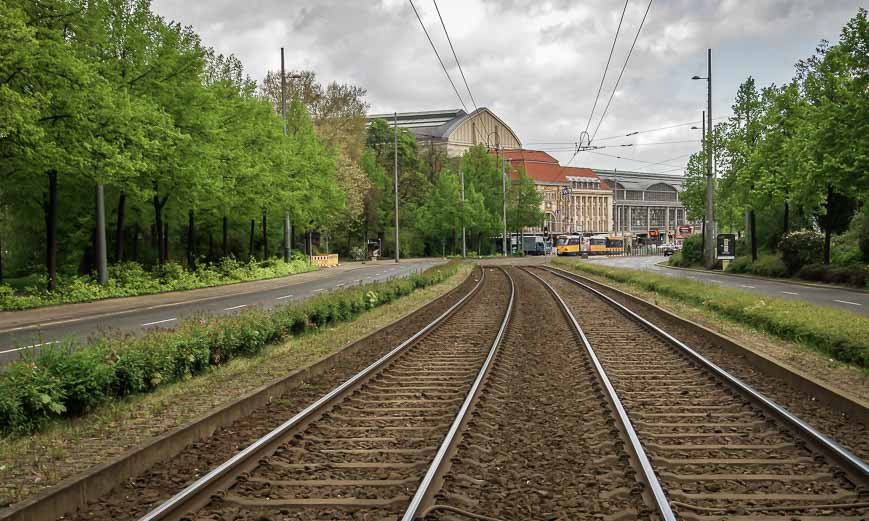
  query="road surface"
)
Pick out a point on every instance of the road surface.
point(851, 300)
point(29, 330)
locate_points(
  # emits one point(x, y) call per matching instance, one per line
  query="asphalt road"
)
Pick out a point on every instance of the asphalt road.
point(56, 325)
point(851, 300)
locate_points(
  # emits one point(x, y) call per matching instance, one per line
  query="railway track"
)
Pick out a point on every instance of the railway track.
point(718, 449)
point(373, 447)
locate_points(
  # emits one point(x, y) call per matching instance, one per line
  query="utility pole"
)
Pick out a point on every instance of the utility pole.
point(395, 153)
point(705, 151)
point(464, 251)
point(504, 191)
point(287, 229)
point(102, 263)
point(710, 189)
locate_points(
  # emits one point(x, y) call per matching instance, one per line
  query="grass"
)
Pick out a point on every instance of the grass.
point(70, 446)
point(839, 334)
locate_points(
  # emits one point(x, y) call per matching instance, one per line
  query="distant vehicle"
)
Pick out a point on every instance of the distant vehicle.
point(533, 245)
point(568, 245)
point(669, 249)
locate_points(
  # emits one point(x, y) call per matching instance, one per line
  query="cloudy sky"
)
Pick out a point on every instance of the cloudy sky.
point(537, 64)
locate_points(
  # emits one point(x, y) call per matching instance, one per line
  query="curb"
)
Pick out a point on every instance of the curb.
point(76, 491)
point(768, 279)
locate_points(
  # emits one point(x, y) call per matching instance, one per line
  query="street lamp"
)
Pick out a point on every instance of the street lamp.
point(710, 218)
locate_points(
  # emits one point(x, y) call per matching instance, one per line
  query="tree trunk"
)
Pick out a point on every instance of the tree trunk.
point(165, 242)
point(225, 236)
point(252, 232)
point(135, 253)
point(752, 221)
point(191, 238)
point(210, 245)
point(827, 235)
point(158, 228)
point(51, 231)
point(787, 217)
point(265, 237)
point(119, 228)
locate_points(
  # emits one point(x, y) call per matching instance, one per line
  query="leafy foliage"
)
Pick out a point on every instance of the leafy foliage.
point(72, 379)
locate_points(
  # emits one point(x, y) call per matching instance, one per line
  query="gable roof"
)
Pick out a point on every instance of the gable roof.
point(544, 169)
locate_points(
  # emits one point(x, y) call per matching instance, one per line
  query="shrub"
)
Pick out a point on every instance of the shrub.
point(692, 250)
point(801, 248)
point(814, 271)
point(740, 265)
point(768, 266)
point(65, 381)
point(853, 275)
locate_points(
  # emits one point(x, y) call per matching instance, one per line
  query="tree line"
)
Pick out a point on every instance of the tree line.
point(796, 156)
point(106, 96)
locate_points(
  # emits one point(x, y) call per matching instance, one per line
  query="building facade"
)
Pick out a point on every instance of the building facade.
point(574, 200)
point(646, 205)
point(455, 130)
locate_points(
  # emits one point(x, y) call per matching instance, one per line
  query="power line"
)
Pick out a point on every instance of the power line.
point(625, 66)
point(438, 56)
point(607, 66)
point(650, 163)
point(454, 53)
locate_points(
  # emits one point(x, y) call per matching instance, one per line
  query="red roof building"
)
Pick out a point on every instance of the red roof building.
point(574, 199)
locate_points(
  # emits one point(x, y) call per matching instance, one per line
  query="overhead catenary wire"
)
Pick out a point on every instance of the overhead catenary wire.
point(606, 67)
point(621, 73)
point(438, 56)
point(458, 64)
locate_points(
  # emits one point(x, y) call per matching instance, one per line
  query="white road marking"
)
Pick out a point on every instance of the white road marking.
point(235, 307)
point(316, 290)
point(29, 347)
point(339, 285)
point(789, 293)
point(285, 296)
point(146, 324)
point(747, 286)
point(848, 302)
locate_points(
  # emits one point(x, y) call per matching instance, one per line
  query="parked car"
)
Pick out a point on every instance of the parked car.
point(668, 249)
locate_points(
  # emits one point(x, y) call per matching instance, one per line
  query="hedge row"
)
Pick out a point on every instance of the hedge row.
point(840, 334)
point(73, 379)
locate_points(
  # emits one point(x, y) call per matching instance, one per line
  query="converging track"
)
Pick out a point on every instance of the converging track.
point(720, 449)
point(361, 451)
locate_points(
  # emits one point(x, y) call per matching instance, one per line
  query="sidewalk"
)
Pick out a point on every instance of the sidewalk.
point(62, 313)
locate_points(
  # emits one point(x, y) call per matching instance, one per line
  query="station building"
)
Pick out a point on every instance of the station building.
point(455, 130)
point(647, 205)
point(574, 200)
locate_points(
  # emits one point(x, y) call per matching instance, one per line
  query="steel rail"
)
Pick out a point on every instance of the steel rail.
point(662, 503)
point(843, 456)
point(195, 493)
point(426, 485)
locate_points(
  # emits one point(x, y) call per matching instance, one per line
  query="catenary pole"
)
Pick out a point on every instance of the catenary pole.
point(710, 191)
point(395, 153)
point(287, 241)
point(102, 262)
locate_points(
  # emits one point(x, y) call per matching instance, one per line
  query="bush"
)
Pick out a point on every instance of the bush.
point(740, 265)
point(66, 381)
point(130, 278)
point(768, 266)
point(801, 248)
point(815, 271)
point(843, 336)
point(692, 250)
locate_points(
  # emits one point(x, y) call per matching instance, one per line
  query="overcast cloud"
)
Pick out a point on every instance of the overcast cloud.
point(536, 64)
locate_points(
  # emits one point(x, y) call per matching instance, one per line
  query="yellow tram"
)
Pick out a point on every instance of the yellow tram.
point(568, 245)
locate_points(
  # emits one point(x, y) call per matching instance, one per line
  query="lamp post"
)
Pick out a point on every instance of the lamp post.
point(288, 230)
point(710, 217)
point(464, 250)
point(702, 128)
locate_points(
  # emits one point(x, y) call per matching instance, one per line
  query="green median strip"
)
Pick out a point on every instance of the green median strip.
point(840, 334)
point(69, 380)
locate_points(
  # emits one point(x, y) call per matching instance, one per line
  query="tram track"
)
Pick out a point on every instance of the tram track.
point(360, 451)
point(719, 451)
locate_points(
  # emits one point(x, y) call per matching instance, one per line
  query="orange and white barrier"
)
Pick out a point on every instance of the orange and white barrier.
point(325, 261)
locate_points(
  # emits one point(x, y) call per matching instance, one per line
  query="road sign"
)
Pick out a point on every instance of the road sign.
point(726, 249)
point(653, 233)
